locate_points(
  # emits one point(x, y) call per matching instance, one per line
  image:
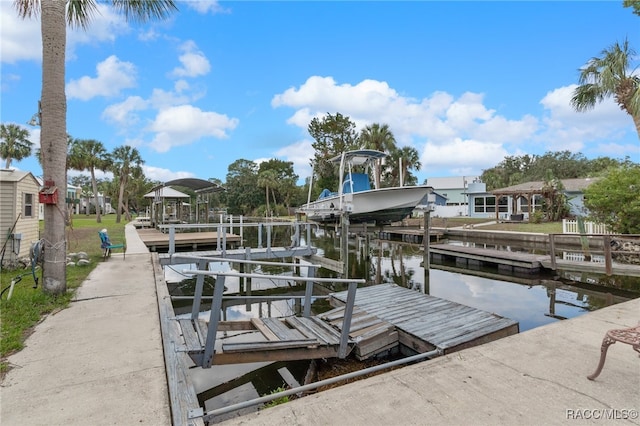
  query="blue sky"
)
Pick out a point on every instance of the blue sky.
point(465, 83)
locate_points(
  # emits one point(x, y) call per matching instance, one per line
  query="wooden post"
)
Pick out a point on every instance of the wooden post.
point(552, 251)
point(607, 255)
point(426, 262)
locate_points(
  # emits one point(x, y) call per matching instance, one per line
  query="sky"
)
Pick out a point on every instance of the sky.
point(464, 83)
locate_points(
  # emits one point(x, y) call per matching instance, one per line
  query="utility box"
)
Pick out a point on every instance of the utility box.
point(16, 240)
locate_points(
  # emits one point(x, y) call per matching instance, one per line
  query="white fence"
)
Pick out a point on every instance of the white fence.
point(571, 227)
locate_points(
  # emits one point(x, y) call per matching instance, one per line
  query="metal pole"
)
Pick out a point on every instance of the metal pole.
point(426, 262)
point(311, 273)
point(346, 321)
point(344, 243)
point(312, 386)
point(172, 240)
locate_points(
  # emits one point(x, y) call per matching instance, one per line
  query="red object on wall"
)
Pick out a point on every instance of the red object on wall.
point(49, 193)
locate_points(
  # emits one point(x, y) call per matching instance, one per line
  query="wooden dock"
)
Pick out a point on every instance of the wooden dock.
point(293, 338)
point(240, 254)
point(384, 316)
point(425, 322)
point(156, 240)
point(474, 257)
point(408, 235)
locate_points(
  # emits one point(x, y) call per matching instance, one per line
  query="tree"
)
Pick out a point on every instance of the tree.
point(126, 164)
point(513, 170)
point(634, 4)
point(243, 193)
point(333, 135)
point(379, 138)
point(54, 16)
point(14, 143)
point(614, 201)
point(612, 74)
point(284, 177)
point(268, 179)
point(89, 154)
point(402, 161)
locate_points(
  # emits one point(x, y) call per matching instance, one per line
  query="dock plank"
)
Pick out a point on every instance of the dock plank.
point(428, 321)
point(280, 329)
point(190, 336)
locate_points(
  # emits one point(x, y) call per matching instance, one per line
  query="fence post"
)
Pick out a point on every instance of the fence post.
point(172, 240)
point(552, 251)
point(607, 255)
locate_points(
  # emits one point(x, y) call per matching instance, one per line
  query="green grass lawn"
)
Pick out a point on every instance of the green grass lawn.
point(28, 305)
point(542, 228)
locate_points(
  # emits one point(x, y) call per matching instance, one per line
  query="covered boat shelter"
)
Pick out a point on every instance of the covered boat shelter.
point(172, 206)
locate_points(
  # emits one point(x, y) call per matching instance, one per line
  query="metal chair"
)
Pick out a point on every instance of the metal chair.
point(629, 336)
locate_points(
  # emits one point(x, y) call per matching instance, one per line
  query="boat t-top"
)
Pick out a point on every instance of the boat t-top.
point(357, 199)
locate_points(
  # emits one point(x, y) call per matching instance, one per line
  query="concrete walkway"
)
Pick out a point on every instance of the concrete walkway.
point(99, 362)
point(534, 378)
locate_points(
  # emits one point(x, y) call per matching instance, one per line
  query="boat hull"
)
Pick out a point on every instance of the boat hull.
point(383, 205)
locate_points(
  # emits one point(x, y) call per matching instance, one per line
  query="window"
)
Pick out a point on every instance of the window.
point(484, 205)
point(28, 205)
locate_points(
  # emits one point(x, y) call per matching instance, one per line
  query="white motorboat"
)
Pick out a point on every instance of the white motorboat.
point(356, 198)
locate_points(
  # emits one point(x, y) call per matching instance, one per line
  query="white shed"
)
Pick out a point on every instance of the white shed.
point(19, 222)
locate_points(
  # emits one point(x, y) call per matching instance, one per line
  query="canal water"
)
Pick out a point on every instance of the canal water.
point(532, 300)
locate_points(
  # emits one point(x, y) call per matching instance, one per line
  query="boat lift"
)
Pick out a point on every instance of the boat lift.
point(305, 337)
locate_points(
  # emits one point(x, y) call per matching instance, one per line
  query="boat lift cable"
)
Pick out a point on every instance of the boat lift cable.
point(312, 386)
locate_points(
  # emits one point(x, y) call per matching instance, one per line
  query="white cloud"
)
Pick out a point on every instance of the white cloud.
point(124, 113)
point(184, 124)
point(437, 123)
point(567, 129)
point(112, 77)
point(300, 154)
point(194, 62)
point(206, 6)
point(19, 38)
point(164, 175)
point(469, 156)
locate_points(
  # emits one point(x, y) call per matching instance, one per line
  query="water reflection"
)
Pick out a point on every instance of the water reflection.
point(532, 300)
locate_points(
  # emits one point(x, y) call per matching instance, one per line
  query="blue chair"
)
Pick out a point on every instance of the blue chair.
point(107, 245)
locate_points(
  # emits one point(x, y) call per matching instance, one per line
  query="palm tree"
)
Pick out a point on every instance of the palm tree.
point(126, 162)
point(610, 75)
point(402, 161)
point(380, 138)
point(89, 154)
point(267, 179)
point(14, 143)
point(54, 16)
